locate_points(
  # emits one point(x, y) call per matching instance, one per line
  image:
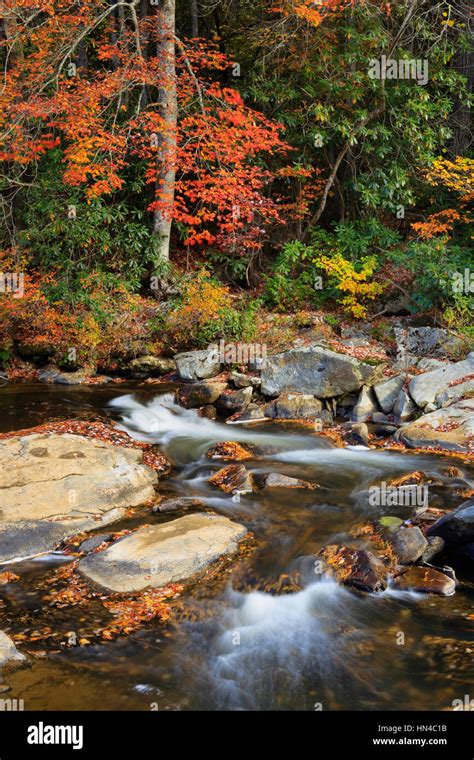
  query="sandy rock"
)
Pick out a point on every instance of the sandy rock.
point(156, 555)
point(53, 486)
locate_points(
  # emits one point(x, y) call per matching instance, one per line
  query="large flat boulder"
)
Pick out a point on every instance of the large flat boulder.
point(425, 388)
point(160, 554)
point(54, 485)
point(450, 428)
point(315, 370)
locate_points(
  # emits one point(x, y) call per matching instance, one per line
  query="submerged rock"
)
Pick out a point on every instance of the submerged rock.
point(275, 480)
point(425, 579)
point(230, 450)
point(317, 371)
point(356, 567)
point(181, 502)
point(54, 486)
point(156, 555)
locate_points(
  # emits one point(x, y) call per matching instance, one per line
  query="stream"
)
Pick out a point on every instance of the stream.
point(246, 642)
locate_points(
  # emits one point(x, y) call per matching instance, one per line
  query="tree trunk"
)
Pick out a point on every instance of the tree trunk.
point(166, 142)
point(194, 19)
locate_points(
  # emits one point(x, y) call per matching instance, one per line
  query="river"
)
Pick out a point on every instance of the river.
point(249, 642)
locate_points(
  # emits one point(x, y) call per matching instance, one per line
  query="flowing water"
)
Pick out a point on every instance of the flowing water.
point(250, 641)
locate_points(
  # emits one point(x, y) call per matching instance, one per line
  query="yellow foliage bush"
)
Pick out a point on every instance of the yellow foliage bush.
point(356, 285)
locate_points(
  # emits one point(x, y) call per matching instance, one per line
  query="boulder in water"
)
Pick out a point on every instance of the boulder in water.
point(233, 478)
point(355, 567)
point(275, 480)
point(408, 544)
point(230, 450)
point(195, 395)
point(156, 555)
point(54, 486)
point(291, 406)
point(425, 579)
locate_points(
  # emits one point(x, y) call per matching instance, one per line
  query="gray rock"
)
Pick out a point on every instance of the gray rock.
point(424, 388)
point(387, 392)
point(365, 407)
point(72, 378)
point(359, 434)
point(9, 654)
point(290, 406)
point(53, 486)
point(181, 502)
point(454, 393)
point(317, 371)
point(252, 413)
point(153, 366)
point(94, 542)
point(244, 381)
point(194, 395)
point(231, 402)
point(404, 407)
point(198, 365)
point(456, 527)
point(428, 341)
point(156, 555)
point(408, 544)
point(427, 365)
point(275, 480)
point(380, 418)
point(451, 428)
point(434, 548)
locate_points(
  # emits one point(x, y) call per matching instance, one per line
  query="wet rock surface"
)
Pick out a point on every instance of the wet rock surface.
point(56, 485)
point(154, 556)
